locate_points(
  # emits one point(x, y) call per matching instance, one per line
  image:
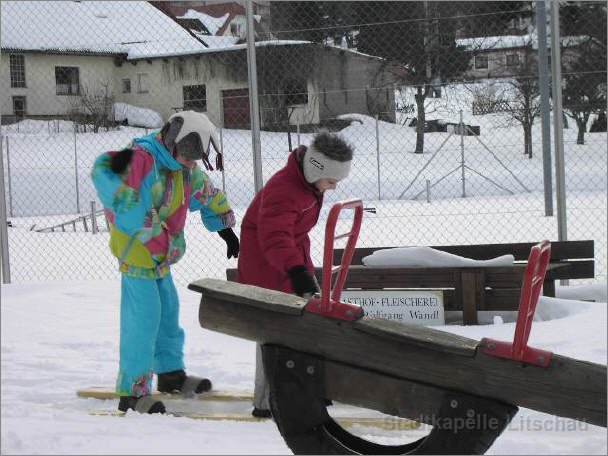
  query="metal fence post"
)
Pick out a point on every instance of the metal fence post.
point(222, 149)
point(8, 170)
point(461, 127)
point(76, 173)
point(6, 265)
point(558, 134)
point(94, 228)
point(378, 154)
point(545, 108)
point(254, 105)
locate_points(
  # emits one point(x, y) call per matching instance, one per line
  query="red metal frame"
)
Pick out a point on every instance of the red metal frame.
point(329, 303)
point(534, 276)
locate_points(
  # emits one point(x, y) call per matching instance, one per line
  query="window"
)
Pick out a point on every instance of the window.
point(67, 80)
point(142, 83)
point(195, 97)
point(512, 59)
point(235, 29)
point(19, 106)
point(481, 61)
point(126, 86)
point(296, 92)
point(17, 64)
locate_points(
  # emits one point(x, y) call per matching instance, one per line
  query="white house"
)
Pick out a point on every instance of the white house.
point(59, 56)
point(510, 55)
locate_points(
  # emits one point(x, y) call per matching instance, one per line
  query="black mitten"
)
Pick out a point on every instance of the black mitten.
point(121, 160)
point(301, 281)
point(232, 242)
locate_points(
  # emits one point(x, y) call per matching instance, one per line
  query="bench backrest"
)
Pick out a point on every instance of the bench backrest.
point(560, 250)
point(580, 254)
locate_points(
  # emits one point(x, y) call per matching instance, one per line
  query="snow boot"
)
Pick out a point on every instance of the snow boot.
point(261, 413)
point(179, 382)
point(141, 404)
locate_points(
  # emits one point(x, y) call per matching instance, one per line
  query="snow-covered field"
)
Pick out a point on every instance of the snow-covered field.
point(504, 199)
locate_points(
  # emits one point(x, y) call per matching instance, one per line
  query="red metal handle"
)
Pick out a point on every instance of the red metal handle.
point(532, 282)
point(330, 237)
point(329, 304)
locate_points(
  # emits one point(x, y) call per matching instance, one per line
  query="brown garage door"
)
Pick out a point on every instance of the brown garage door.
point(235, 104)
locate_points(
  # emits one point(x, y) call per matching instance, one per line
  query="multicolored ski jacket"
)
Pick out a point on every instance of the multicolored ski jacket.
point(147, 205)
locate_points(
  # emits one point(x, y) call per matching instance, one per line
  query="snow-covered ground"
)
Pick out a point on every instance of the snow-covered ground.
point(58, 337)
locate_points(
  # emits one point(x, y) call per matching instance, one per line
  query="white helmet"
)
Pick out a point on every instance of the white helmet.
point(192, 133)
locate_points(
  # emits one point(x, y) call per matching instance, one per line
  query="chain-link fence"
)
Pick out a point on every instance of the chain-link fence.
point(446, 103)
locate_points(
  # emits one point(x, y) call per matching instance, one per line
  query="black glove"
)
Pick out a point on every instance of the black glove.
point(232, 242)
point(121, 160)
point(301, 281)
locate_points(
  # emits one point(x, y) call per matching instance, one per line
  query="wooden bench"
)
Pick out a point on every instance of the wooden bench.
point(477, 288)
point(469, 289)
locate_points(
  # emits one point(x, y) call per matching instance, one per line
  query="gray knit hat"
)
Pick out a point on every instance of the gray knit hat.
point(327, 157)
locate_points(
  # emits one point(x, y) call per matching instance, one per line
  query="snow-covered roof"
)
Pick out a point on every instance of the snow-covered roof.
point(217, 42)
point(213, 24)
point(485, 43)
point(135, 28)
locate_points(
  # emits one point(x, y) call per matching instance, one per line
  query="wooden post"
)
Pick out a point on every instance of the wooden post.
point(471, 289)
point(94, 228)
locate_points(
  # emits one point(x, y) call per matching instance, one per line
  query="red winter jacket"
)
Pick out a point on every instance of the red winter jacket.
point(274, 231)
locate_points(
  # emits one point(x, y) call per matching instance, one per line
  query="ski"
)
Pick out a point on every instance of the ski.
point(235, 405)
point(184, 414)
point(105, 393)
point(384, 423)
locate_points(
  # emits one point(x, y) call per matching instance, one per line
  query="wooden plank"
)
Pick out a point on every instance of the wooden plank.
point(258, 297)
point(366, 277)
point(502, 299)
point(105, 393)
point(386, 394)
point(560, 250)
point(567, 387)
point(580, 269)
point(419, 336)
point(504, 276)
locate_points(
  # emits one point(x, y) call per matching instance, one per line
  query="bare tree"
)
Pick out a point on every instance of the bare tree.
point(584, 88)
point(522, 91)
point(93, 107)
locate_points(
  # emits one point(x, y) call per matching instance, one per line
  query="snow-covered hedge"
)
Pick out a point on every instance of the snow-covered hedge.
point(137, 117)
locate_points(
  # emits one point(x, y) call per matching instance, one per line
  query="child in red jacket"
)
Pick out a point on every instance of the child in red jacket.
point(274, 242)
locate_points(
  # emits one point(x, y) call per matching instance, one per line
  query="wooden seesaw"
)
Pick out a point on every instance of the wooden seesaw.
point(467, 390)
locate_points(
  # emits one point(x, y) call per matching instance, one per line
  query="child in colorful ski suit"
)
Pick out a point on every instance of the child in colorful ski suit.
point(147, 190)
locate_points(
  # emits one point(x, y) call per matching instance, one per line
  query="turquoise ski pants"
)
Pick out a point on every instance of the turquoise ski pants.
point(151, 340)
